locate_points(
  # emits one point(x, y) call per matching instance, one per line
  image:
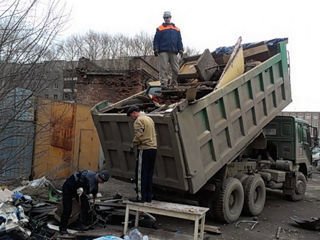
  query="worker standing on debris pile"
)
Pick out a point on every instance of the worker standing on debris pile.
point(146, 142)
point(79, 185)
point(167, 44)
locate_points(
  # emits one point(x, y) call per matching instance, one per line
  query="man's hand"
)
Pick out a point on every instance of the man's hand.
point(131, 148)
point(80, 191)
point(156, 52)
point(181, 53)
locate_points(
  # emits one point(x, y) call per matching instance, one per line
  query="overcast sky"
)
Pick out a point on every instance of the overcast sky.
point(211, 24)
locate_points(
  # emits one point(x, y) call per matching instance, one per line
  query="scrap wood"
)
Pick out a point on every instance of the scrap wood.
point(254, 223)
point(56, 228)
point(212, 229)
point(110, 204)
point(278, 233)
point(196, 84)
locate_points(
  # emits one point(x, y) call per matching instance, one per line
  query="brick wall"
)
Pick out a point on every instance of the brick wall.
point(94, 89)
point(96, 84)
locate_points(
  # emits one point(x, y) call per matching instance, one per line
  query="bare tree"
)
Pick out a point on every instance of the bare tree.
point(96, 46)
point(27, 31)
point(141, 44)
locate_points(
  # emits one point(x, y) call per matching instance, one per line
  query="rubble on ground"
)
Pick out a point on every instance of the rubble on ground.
point(32, 211)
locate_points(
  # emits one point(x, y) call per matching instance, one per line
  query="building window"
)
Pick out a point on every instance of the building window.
point(300, 116)
point(46, 95)
point(308, 116)
point(67, 96)
point(55, 96)
point(315, 117)
point(56, 85)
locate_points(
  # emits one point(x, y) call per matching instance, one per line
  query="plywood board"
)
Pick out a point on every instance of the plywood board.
point(235, 66)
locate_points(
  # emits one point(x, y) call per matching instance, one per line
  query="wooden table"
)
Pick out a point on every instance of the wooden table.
point(194, 213)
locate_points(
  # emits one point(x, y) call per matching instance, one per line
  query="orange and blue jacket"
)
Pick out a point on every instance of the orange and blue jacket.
point(167, 39)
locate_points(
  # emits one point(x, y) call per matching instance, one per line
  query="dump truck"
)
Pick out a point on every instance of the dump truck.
point(225, 145)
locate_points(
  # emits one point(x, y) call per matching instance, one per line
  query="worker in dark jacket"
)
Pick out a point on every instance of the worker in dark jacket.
point(79, 185)
point(167, 44)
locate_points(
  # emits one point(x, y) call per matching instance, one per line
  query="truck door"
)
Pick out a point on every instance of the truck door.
point(303, 149)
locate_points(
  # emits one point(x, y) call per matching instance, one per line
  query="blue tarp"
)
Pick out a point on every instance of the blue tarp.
point(228, 50)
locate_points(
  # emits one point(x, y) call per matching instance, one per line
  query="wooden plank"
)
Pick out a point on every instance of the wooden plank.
point(212, 229)
point(206, 66)
point(255, 50)
point(174, 207)
point(235, 66)
point(188, 68)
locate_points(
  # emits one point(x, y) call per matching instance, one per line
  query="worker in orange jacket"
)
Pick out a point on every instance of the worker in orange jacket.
point(167, 44)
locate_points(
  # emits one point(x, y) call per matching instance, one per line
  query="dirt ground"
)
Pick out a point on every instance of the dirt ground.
point(277, 213)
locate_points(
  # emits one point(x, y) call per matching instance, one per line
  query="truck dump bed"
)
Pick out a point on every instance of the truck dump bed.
point(195, 140)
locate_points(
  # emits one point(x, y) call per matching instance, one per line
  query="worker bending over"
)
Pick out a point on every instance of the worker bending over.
point(79, 185)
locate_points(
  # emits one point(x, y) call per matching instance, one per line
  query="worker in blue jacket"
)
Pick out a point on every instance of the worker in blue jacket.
point(79, 186)
point(167, 44)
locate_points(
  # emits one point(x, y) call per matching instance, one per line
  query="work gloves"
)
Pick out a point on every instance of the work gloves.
point(181, 53)
point(156, 52)
point(79, 191)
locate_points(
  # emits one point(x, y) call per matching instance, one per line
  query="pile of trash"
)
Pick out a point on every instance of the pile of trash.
point(133, 234)
point(24, 211)
point(33, 210)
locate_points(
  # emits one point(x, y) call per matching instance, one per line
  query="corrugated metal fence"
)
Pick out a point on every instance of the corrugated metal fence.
point(16, 134)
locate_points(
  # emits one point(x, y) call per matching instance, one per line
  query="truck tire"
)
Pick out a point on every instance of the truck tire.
point(242, 177)
point(229, 203)
point(254, 195)
point(300, 188)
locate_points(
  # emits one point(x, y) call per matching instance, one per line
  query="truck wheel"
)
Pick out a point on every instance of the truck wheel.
point(229, 204)
point(254, 195)
point(300, 188)
point(242, 177)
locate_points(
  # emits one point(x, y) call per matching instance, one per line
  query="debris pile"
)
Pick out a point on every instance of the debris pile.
point(33, 210)
point(199, 76)
point(24, 211)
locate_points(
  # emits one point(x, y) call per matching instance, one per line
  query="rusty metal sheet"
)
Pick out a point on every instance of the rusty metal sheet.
point(66, 139)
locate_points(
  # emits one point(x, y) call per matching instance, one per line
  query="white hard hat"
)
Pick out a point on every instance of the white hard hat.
point(167, 14)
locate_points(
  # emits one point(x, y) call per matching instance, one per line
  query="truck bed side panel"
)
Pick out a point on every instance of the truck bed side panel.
point(219, 126)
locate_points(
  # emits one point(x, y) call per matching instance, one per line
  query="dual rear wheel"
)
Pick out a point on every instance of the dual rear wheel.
point(236, 197)
point(247, 194)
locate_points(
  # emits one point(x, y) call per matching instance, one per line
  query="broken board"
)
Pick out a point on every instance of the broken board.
point(235, 66)
point(203, 68)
